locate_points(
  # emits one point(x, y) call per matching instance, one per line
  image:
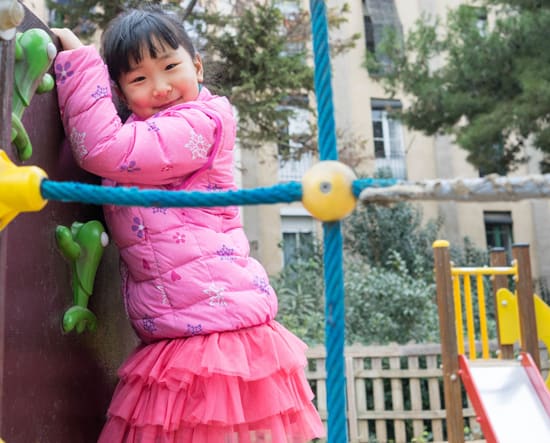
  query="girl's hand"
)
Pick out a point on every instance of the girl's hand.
point(67, 38)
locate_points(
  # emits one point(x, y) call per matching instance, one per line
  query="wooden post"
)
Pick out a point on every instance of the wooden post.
point(449, 352)
point(526, 303)
point(6, 89)
point(10, 17)
point(498, 259)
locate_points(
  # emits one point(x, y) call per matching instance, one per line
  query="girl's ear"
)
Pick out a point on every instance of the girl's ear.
point(120, 102)
point(118, 92)
point(198, 67)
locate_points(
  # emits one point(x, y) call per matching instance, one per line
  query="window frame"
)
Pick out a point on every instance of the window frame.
point(394, 156)
point(500, 221)
point(298, 225)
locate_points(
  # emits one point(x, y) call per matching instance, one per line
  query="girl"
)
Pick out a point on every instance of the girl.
point(214, 365)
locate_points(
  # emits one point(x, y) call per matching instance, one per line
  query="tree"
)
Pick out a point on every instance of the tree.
point(483, 76)
point(377, 232)
point(258, 56)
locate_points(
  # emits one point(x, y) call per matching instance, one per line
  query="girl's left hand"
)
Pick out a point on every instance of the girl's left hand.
point(67, 38)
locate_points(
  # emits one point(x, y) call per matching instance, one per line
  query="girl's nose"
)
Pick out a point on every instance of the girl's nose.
point(162, 89)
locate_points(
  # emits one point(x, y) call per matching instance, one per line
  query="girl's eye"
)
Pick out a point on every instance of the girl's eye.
point(137, 79)
point(171, 66)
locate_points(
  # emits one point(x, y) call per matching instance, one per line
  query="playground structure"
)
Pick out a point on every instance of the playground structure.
point(328, 191)
point(509, 395)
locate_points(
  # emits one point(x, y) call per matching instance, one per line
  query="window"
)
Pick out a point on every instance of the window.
point(379, 17)
point(478, 15)
point(292, 163)
point(292, 17)
point(388, 139)
point(297, 237)
point(498, 230)
point(369, 34)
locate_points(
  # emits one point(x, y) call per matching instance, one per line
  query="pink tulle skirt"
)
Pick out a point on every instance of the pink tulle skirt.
point(245, 386)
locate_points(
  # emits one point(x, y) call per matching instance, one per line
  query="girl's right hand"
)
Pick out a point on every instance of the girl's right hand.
point(67, 38)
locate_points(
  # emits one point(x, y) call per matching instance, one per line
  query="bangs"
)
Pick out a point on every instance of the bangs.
point(140, 43)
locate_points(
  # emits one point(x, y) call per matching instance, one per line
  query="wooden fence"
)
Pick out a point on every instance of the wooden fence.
point(395, 393)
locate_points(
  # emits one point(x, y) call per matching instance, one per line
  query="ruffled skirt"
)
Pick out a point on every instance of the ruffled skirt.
point(245, 386)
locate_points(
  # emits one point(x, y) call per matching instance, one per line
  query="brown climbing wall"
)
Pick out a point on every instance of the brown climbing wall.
point(53, 387)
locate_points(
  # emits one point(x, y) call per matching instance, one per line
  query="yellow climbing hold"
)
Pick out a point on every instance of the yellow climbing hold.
point(19, 189)
point(327, 190)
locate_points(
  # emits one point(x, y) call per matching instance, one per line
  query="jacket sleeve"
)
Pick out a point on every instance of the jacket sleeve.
point(169, 145)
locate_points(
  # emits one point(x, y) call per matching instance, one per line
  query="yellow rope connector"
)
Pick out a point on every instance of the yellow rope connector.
point(19, 189)
point(327, 190)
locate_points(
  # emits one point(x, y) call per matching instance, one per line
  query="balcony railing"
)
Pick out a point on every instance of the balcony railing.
point(293, 170)
point(396, 166)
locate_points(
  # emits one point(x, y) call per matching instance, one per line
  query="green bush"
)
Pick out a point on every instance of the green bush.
point(385, 305)
point(381, 305)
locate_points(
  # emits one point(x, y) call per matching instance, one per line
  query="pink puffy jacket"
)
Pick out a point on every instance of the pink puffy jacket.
point(185, 271)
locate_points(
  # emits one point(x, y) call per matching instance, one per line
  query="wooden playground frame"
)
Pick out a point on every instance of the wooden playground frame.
point(447, 308)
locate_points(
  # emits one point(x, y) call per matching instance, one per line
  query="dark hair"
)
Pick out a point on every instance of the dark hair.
point(132, 32)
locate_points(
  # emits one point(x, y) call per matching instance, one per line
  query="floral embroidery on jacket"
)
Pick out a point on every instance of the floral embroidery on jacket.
point(194, 330)
point(179, 237)
point(262, 284)
point(77, 141)
point(197, 145)
point(139, 228)
point(130, 167)
point(216, 295)
point(149, 325)
point(62, 71)
point(100, 92)
point(226, 253)
point(152, 126)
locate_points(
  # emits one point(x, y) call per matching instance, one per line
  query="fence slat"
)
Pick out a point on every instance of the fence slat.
point(434, 395)
point(379, 402)
point(397, 401)
point(352, 399)
point(361, 400)
point(416, 396)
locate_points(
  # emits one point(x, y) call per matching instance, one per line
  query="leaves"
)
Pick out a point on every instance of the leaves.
point(486, 82)
point(377, 232)
point(388, 278)
point(387, 304)
point(250, 53)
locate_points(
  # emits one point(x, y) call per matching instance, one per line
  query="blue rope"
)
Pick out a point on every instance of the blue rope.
point(323, 87)
point(122, 196)
point(333, 244)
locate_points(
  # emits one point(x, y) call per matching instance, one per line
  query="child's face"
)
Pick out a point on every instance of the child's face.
point(155, 84)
